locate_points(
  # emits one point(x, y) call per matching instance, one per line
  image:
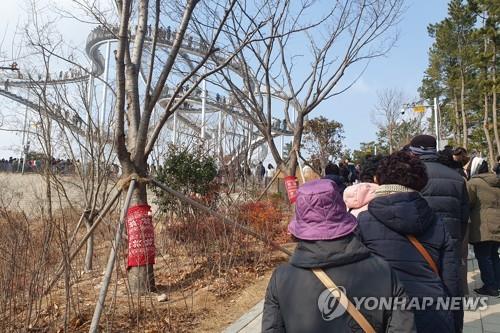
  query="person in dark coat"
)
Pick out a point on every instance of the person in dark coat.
point(461, 157)
point(332, 172)
point(327, 239)
point(399, 210)
point(484, 194)
point(344, 172)
point(446, 157)
point(352, 174)
point(496, 169)
point(260, 172)
point(446, 194)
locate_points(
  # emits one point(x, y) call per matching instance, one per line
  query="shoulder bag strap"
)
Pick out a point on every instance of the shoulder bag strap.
point(351, 309)
point(420, 248)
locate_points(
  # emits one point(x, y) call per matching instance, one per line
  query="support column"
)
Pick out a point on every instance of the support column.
point(174, 131)
point(105, 90)
point(219, 130)
point(436, 124)
point(203, 106)
point(24, 153)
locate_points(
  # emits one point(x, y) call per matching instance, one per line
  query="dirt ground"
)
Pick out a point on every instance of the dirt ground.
point(192, 309)
point(196, 303)
point(225, 311)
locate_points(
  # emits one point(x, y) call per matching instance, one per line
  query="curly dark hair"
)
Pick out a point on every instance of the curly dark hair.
point(368, 168)
point(404, 169)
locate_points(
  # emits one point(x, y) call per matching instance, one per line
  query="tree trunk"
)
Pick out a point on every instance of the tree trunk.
point(486, 130)
point(141, 278)
point(90, 246)
point(275, 153)
point(297, 138)
point(495, 120)
point(494, 100)
point(390, 139)
point(323, 162)
point(458, 138)
point(462, 107)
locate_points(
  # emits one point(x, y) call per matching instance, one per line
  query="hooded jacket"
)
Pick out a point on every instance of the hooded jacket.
point(484, 196)
point(358, 196)
point(383, 230)
point(291, 303)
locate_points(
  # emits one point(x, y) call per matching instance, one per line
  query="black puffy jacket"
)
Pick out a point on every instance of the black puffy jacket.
point(338, 180)
point(446, 193)
point(291, 303)
point(383, 230)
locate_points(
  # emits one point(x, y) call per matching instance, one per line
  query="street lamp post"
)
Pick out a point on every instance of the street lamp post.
point(417, 106)
point(436, 123)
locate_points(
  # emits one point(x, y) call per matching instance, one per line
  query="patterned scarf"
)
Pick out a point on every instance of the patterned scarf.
point(388, 189)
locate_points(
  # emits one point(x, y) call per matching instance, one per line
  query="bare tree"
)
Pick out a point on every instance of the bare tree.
point(388, 115)
point(253, 45)
point(302, 61)
point(143, 72)
point(66, 121)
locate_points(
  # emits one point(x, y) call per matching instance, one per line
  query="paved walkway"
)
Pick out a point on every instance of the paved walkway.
point(487, 321)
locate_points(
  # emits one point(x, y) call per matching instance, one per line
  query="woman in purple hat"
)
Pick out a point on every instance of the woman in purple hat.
point(298, 301)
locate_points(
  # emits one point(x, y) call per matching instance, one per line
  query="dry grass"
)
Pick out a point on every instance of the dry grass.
point(201, 266)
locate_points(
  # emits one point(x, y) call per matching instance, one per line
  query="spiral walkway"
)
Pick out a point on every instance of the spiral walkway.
point(101, 35)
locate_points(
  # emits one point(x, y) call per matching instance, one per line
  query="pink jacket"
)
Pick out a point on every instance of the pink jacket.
point(358, 196)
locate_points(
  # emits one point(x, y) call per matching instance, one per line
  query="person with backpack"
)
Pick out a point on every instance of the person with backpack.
point(484, 235)
point(401, 228)
point(330, 252)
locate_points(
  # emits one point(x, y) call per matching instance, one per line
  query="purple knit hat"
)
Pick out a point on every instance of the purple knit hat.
point(320, 212)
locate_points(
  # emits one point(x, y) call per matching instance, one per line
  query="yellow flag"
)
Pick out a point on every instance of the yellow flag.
point(419, 108)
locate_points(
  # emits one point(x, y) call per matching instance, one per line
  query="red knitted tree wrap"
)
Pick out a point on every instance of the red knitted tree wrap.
point(141, 236)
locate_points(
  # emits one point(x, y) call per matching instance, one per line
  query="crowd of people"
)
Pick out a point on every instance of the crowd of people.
point(60, 166)
point(394, 227)
point(70, 74)
point(163, 35)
